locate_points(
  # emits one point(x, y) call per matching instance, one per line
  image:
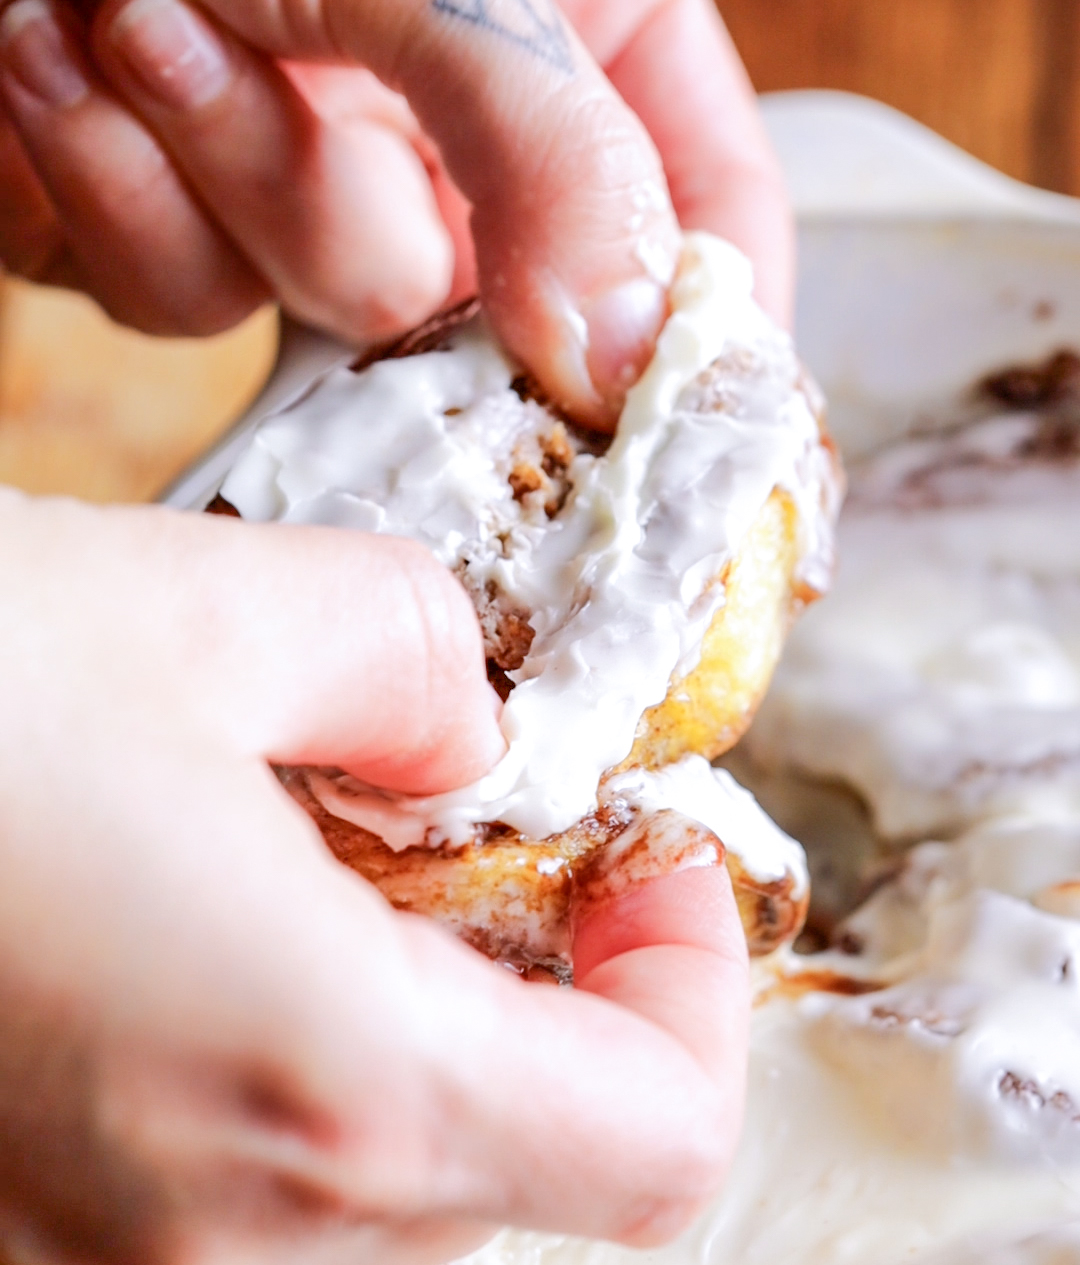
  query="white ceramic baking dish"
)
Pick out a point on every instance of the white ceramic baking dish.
point(920, 268)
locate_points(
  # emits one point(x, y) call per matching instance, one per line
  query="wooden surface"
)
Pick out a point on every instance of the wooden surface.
point(89, 409)
point(999, 77)
point(103, 413)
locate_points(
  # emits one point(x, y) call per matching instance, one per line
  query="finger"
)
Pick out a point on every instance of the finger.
point(307, 645)
point(142, 246)
point(612, 1115)
point(346, 97)
point(192, 960)
point(721, 169)
point(720, 165)
point(684, 912)
point(455, 210)
point(475, 1097)
point(376, 660)
point(30, 235)
point(32, 241)
point(575, 236)
point(337, 213)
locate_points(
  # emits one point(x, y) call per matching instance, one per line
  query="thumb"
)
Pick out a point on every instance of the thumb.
point(574, 230)
point(355, 650)
point(612, 1109)
point(655, 906)
point(299, 644)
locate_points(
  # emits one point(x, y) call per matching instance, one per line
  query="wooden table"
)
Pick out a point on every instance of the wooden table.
point(104, 413)
point(89, 409)
point(999, 77)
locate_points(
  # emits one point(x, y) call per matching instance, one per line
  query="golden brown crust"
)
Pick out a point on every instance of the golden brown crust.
point(429, 336)
point(772, 913)
point(510, 896)
point(507, 896)
point(709, 710)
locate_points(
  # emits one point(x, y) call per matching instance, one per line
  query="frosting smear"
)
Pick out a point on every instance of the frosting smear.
point(915, 1089)
point(617, 580)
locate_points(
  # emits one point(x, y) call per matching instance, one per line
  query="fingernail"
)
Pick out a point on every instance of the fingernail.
point(174, 53)
point(622, 328)
point(656, 845)
point(36, 50)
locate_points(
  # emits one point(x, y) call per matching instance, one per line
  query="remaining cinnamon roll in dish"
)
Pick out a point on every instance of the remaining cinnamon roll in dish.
point(914, 1088)
point(941, 681)
point(633, 593)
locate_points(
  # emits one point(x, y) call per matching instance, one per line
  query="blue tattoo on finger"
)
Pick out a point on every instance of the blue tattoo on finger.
point(535, 25)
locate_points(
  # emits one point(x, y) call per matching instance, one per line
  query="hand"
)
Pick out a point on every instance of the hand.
point(220, 1045)
point(162, 159)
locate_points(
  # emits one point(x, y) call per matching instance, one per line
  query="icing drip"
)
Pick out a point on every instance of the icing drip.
point(713, 797)
point(942, 677)
point(916, 1096)
point(617, 582)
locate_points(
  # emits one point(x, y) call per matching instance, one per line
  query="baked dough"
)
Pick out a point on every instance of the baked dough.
point(634, 594)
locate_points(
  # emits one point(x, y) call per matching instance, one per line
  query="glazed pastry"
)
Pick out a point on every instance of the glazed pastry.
point(914, 1090)
point(633, 593)
point(941, 680)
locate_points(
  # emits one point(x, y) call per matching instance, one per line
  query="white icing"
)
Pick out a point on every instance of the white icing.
point(691, 787)
point(976, 1054)
point(618, 583)
point(942, 677)
point(936, 1119)
point(1057, 1246)
point(713, 797)
point(818, 1181)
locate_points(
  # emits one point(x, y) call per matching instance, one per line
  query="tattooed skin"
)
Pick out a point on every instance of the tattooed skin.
point(535, 25)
